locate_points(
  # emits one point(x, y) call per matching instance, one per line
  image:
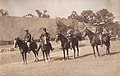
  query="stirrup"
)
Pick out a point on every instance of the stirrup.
point(52, 49)
point(101, 45)
point(29, 51)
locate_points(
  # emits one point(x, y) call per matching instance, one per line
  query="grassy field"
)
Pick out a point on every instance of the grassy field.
point(84, 65)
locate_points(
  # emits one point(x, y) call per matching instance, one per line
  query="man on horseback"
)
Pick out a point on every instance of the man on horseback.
point(100, 30)
point(70, 36)
point(27, 39)
point(47, 35)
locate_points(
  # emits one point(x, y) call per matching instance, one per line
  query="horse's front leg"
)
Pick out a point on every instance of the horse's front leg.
point(97, 50)
point(23, 57)
point(108, 48)
point(36, 56)
point(48, 54)
point(74, 51)
point(77, 50)
point(64, 53)
point(94, 51)
point(43, 55)
point(67, 54)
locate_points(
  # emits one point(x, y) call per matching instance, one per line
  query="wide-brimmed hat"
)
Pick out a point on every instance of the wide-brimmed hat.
point(44, 29)
point(45, 11)
point(26, 30)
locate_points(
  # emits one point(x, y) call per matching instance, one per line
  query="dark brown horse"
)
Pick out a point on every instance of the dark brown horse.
point(45, 48)
point(95, 41)
point(66, 45)
point(24, 49)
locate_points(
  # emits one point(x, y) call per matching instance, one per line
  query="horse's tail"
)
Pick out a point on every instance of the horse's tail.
point(106, 40)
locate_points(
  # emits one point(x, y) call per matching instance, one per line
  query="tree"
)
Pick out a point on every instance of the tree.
point(104, 16)
point(74, 15)
point(45, 15)
point(88, 16)
point(39, 13)
point(61, 27)
point(3, 12)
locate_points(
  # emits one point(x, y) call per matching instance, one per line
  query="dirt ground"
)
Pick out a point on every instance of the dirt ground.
point(84, 65)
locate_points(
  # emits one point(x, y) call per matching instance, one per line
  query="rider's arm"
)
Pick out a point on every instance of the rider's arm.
point(41, 36)
point(48, 36)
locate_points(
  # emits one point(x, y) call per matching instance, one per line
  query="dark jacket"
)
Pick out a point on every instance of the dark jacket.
point(27, 37)
point(46, 34)
point(99, 29)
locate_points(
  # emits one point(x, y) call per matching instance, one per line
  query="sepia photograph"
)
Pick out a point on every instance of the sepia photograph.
point(59, 37)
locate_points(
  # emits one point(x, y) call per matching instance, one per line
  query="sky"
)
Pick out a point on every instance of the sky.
point(55, 8)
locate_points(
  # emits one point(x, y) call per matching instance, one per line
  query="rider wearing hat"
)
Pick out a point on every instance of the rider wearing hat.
point(100, 30)
point(27, 38)
point(45, 33)
point(70, 36)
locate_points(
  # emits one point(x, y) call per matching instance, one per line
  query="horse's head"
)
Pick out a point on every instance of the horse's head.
point(17, 41)
point(88, 33)
point(44, 40)
point(57, 38)
point(85, 32)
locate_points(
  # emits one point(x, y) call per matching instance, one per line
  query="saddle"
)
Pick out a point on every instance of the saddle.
point(96, 38)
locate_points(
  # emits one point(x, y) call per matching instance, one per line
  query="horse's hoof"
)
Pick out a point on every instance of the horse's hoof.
point(37, 60)
point(46, 61)
point(25, 63)
point(34, 60)
point(109, 53)
point(106, 54)
point(67, 58)
point(98, 55)
point(95, 56)
point(64, 59)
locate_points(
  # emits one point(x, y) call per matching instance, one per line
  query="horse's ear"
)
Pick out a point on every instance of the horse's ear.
point(18, 38)
point(58, 32)
point(85, 28)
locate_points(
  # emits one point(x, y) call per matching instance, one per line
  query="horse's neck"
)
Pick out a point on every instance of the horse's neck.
point(20, 43)
point(91, 35)
point(63, 39)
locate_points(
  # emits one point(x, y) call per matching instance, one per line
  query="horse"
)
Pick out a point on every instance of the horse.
point(24, 49)
point(66, 45)
point(95, 41)
point(45, 47)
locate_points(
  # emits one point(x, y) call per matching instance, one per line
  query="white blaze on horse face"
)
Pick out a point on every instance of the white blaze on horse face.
point(14, 43)
point(45, 40)
point(84, 34)
point(56, 38)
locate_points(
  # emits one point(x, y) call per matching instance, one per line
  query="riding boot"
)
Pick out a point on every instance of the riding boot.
point(101, 40)
point(51, 48)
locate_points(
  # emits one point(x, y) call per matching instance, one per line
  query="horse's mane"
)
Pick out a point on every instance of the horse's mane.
point(63, 37)
point(20, 41)
point(90, 31)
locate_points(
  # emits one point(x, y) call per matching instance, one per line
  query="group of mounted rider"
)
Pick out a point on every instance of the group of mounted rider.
point(100, 30)
point(46, 46)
